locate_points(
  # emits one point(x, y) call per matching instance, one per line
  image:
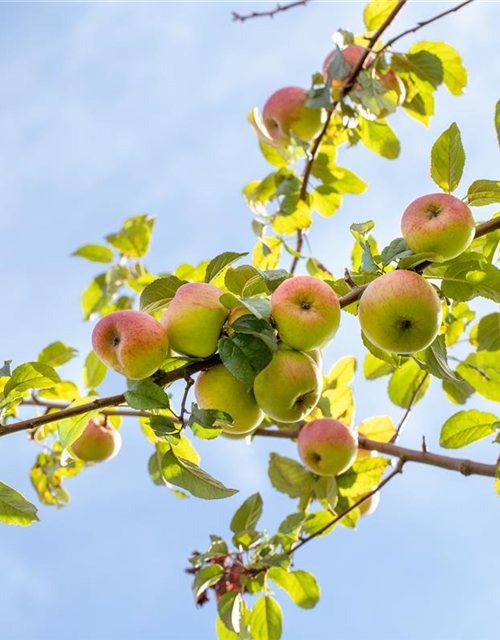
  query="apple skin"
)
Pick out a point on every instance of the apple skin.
point(132, 343)
point(217, 388)
point(289, 388)
point(327, 447)
point(400, 312)
point(194, 319)
point(438, 223)
point(285, 112)
point(352, 53)
point(306, 312)
point(99, 441)
point(369, 506)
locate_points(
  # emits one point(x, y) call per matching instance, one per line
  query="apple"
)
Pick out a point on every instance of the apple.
point(327, 447)
point(217, 388)
point(99, 441)
point(285, 112)
point(315, 354)
point(438, 223)
point(306, 312)
point(370, 505)
point(130, 342)
point(194, 319)
point(289, 388)
point(400, 312)
point(352, 53)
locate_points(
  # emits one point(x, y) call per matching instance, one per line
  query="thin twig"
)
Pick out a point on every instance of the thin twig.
point(280, 8)
point(421, 25)
point(346, 88)
point(182, 415)
point(393, 474)
point(406, 415)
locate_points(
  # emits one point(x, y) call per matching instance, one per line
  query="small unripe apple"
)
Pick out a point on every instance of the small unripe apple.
point(217, 388)
point(289, 388)
point(352, 53)
point(438, 223)
point(400, 312)
point(99, 441)
point(130, 342)
point(194, 319)
point(306, 312)
point(286, 111)
point(327, 447)
point(370, 505)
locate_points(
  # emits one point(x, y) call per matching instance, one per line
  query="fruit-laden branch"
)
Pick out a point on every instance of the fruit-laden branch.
point(349, 84)
point(346, 88)
point(367, 496)
point(462, 465)
point(280, 8)
point(163, 378)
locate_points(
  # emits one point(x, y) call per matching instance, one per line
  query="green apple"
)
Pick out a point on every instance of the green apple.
point(400, 312)
point(438, 223)
point(194, 319)
point(306, 312)
point(327, 447)
point(217, 388)
point(285, 112)
point(130, 342)
point(99, 441)
point(289, 388)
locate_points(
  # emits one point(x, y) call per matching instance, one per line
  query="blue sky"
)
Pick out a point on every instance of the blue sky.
point(113, 109)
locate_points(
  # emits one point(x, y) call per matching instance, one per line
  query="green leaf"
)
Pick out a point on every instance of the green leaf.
point(208, 423)
point(466, 427)
point(95, 253)
point(134, 238)
point(420, 107)
point(378, 428)
point(468, 278)
point(31, 375)
point(376, 12)
point(266, 621)
point(183, 473)
point(93, 297)
point(454, 72)
point(404, 382)
point(482, 371)
point(374, 96)
point(14, 508)
point(316, 521)
point(448, 159)
point(56, 354)
point(374, 368)
point(94, 371)
point(245, 280)
point(144, 395)
point(497, 120)
point(223, 633)
point(247, 516)
point(435, 361)
point(230, 611)
point(205, 578)
point(395, 250)
point(326, 200)
point(487, 333)
point(289, 476)
point(245, 356)
point(379, 137)
point(426, 67)
point(278, 157)
point(72, 428)
point(164, 427)
point(301, 586)
point(483, 192)
point(159, 294)
point(218, 264)
point(362, 477)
